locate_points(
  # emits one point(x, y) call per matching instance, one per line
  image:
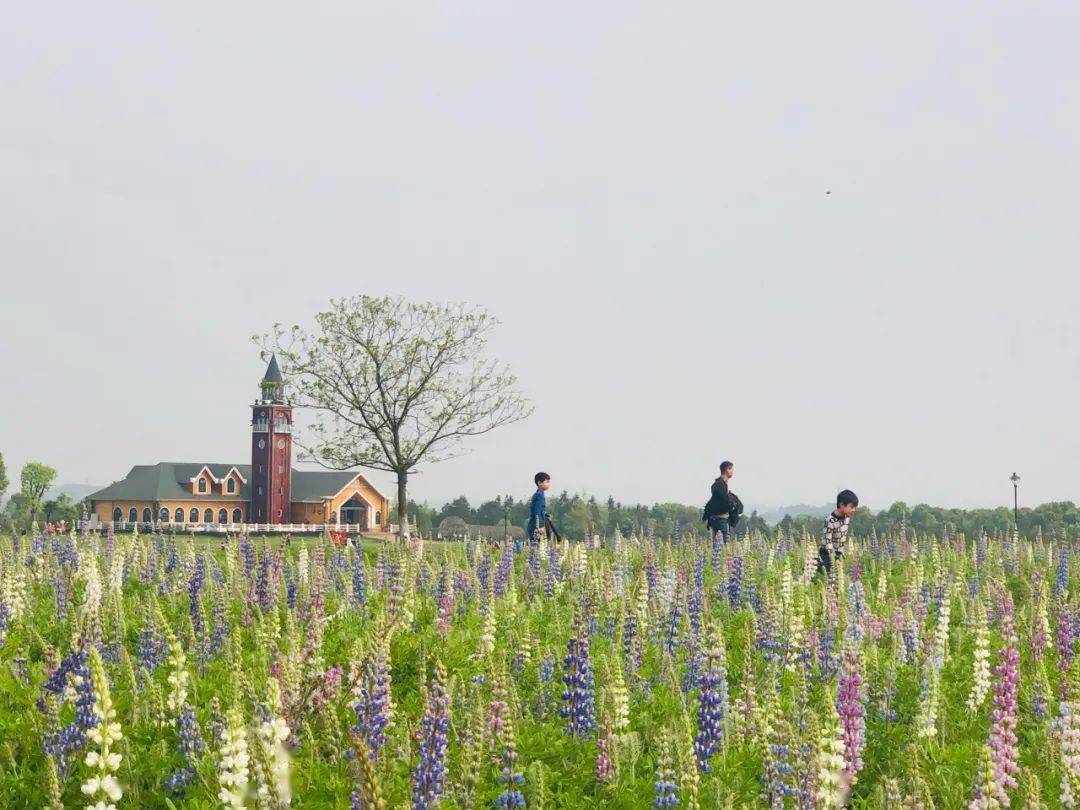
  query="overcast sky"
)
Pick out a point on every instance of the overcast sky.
point(836, 243)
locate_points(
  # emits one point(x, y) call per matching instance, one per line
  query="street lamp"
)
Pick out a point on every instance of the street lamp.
point(1016, 498)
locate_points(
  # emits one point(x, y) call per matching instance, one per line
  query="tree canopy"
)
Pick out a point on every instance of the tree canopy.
point(395, 384)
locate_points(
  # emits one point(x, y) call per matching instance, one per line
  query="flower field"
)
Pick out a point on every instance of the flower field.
point(155, 671)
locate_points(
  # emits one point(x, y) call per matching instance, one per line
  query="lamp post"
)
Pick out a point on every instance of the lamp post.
point(1016, 498)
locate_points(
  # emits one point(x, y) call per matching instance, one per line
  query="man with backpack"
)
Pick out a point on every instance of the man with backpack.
point(724, 508)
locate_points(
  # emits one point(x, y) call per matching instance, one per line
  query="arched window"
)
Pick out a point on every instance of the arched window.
point(179, 518)
point(117, 514)
point(223, 516)
point(202, 485)
point(133, 515)
point(147, 515)
point(237, 516)
point(378, 518)
point(164, 514)
point(230, 486)
point(193, 515)
point(208, 516)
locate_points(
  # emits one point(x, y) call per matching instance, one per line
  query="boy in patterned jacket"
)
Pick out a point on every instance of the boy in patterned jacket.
point(834, 534)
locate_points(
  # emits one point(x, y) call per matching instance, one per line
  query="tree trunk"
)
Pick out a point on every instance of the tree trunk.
point(402, 503)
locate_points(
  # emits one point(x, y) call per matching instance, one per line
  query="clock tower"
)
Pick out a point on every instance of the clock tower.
point(271, 451)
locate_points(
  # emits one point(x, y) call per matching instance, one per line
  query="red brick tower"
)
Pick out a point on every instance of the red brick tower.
point(271, 451)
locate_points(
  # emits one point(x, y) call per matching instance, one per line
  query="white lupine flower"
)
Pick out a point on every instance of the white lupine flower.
point(104, 762)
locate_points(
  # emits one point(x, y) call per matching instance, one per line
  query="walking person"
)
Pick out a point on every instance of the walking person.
point(724, 507)
point(834, 532)
point(539, 520)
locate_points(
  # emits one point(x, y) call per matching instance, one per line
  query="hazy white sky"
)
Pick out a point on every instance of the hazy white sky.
point(834, 242)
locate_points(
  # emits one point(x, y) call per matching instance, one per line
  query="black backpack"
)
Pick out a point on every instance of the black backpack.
point(736, 509)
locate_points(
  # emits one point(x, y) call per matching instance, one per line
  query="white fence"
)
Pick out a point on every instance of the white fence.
point(246, 528)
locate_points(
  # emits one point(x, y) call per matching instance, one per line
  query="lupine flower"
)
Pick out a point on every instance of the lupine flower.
point(986, 795)
point(373, 704)
point(233, 762)
point(579, 701)
point(359, 582)
point(665, 787)
point(427, 778)
point(272, 734)
point(191, 748)
point(606, 772)
point(712, 701)
point(1004, 713)
point(832, 786)
point(101, 786)
point(980, 686)
point(850, 705)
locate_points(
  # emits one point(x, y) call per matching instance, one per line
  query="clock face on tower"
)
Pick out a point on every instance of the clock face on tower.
point(280, 444)
point(262, 443)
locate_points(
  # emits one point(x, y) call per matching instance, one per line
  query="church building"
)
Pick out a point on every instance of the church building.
point(268, 491)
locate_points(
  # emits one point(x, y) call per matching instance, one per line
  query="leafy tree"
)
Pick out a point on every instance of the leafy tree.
point(3, 477)
point(36, 478)
point(62, 508)
point(396, 384)
point(459, 507)
point(490, 513)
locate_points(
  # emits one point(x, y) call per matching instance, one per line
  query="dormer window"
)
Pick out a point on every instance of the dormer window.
point(202, 486)
point(230, 486)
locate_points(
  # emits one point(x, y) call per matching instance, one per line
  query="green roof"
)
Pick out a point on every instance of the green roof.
point(166, 481)
point(273, 373)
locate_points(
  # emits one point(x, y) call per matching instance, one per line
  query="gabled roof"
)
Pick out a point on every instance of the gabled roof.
point(314, 485)
point(169, 481)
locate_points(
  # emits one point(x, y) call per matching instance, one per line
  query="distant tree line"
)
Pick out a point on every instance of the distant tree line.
point(576, 514)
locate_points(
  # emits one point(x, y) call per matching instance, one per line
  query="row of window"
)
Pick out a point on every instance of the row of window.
point(230, 486)
point(208, 515)
point(165, 515)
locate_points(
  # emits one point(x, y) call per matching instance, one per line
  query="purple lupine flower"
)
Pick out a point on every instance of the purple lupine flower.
point(504, 570)
point(191, 747)
point(427, 778)
point(579, 699)
point(373, 706)
point(631, 642)
point(195, 586)
point(75, 666)
point(850, 701)
point(671, 637)
point(1064, 645)
point(153, 650)
point(265, 592)
point(1061, 580)
point(712, 702)
point(1003, 715)
point(359, 582)
point(247, 553)
point(735, 582)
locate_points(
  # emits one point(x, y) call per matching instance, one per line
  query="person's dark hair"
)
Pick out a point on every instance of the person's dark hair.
point(847, 497)
point(540, 477)
point(725, 466)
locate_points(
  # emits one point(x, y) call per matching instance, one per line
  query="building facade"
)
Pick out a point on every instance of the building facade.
point(268, 491)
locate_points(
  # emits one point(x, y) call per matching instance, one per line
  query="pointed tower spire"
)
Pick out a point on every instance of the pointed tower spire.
point(273, 384)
